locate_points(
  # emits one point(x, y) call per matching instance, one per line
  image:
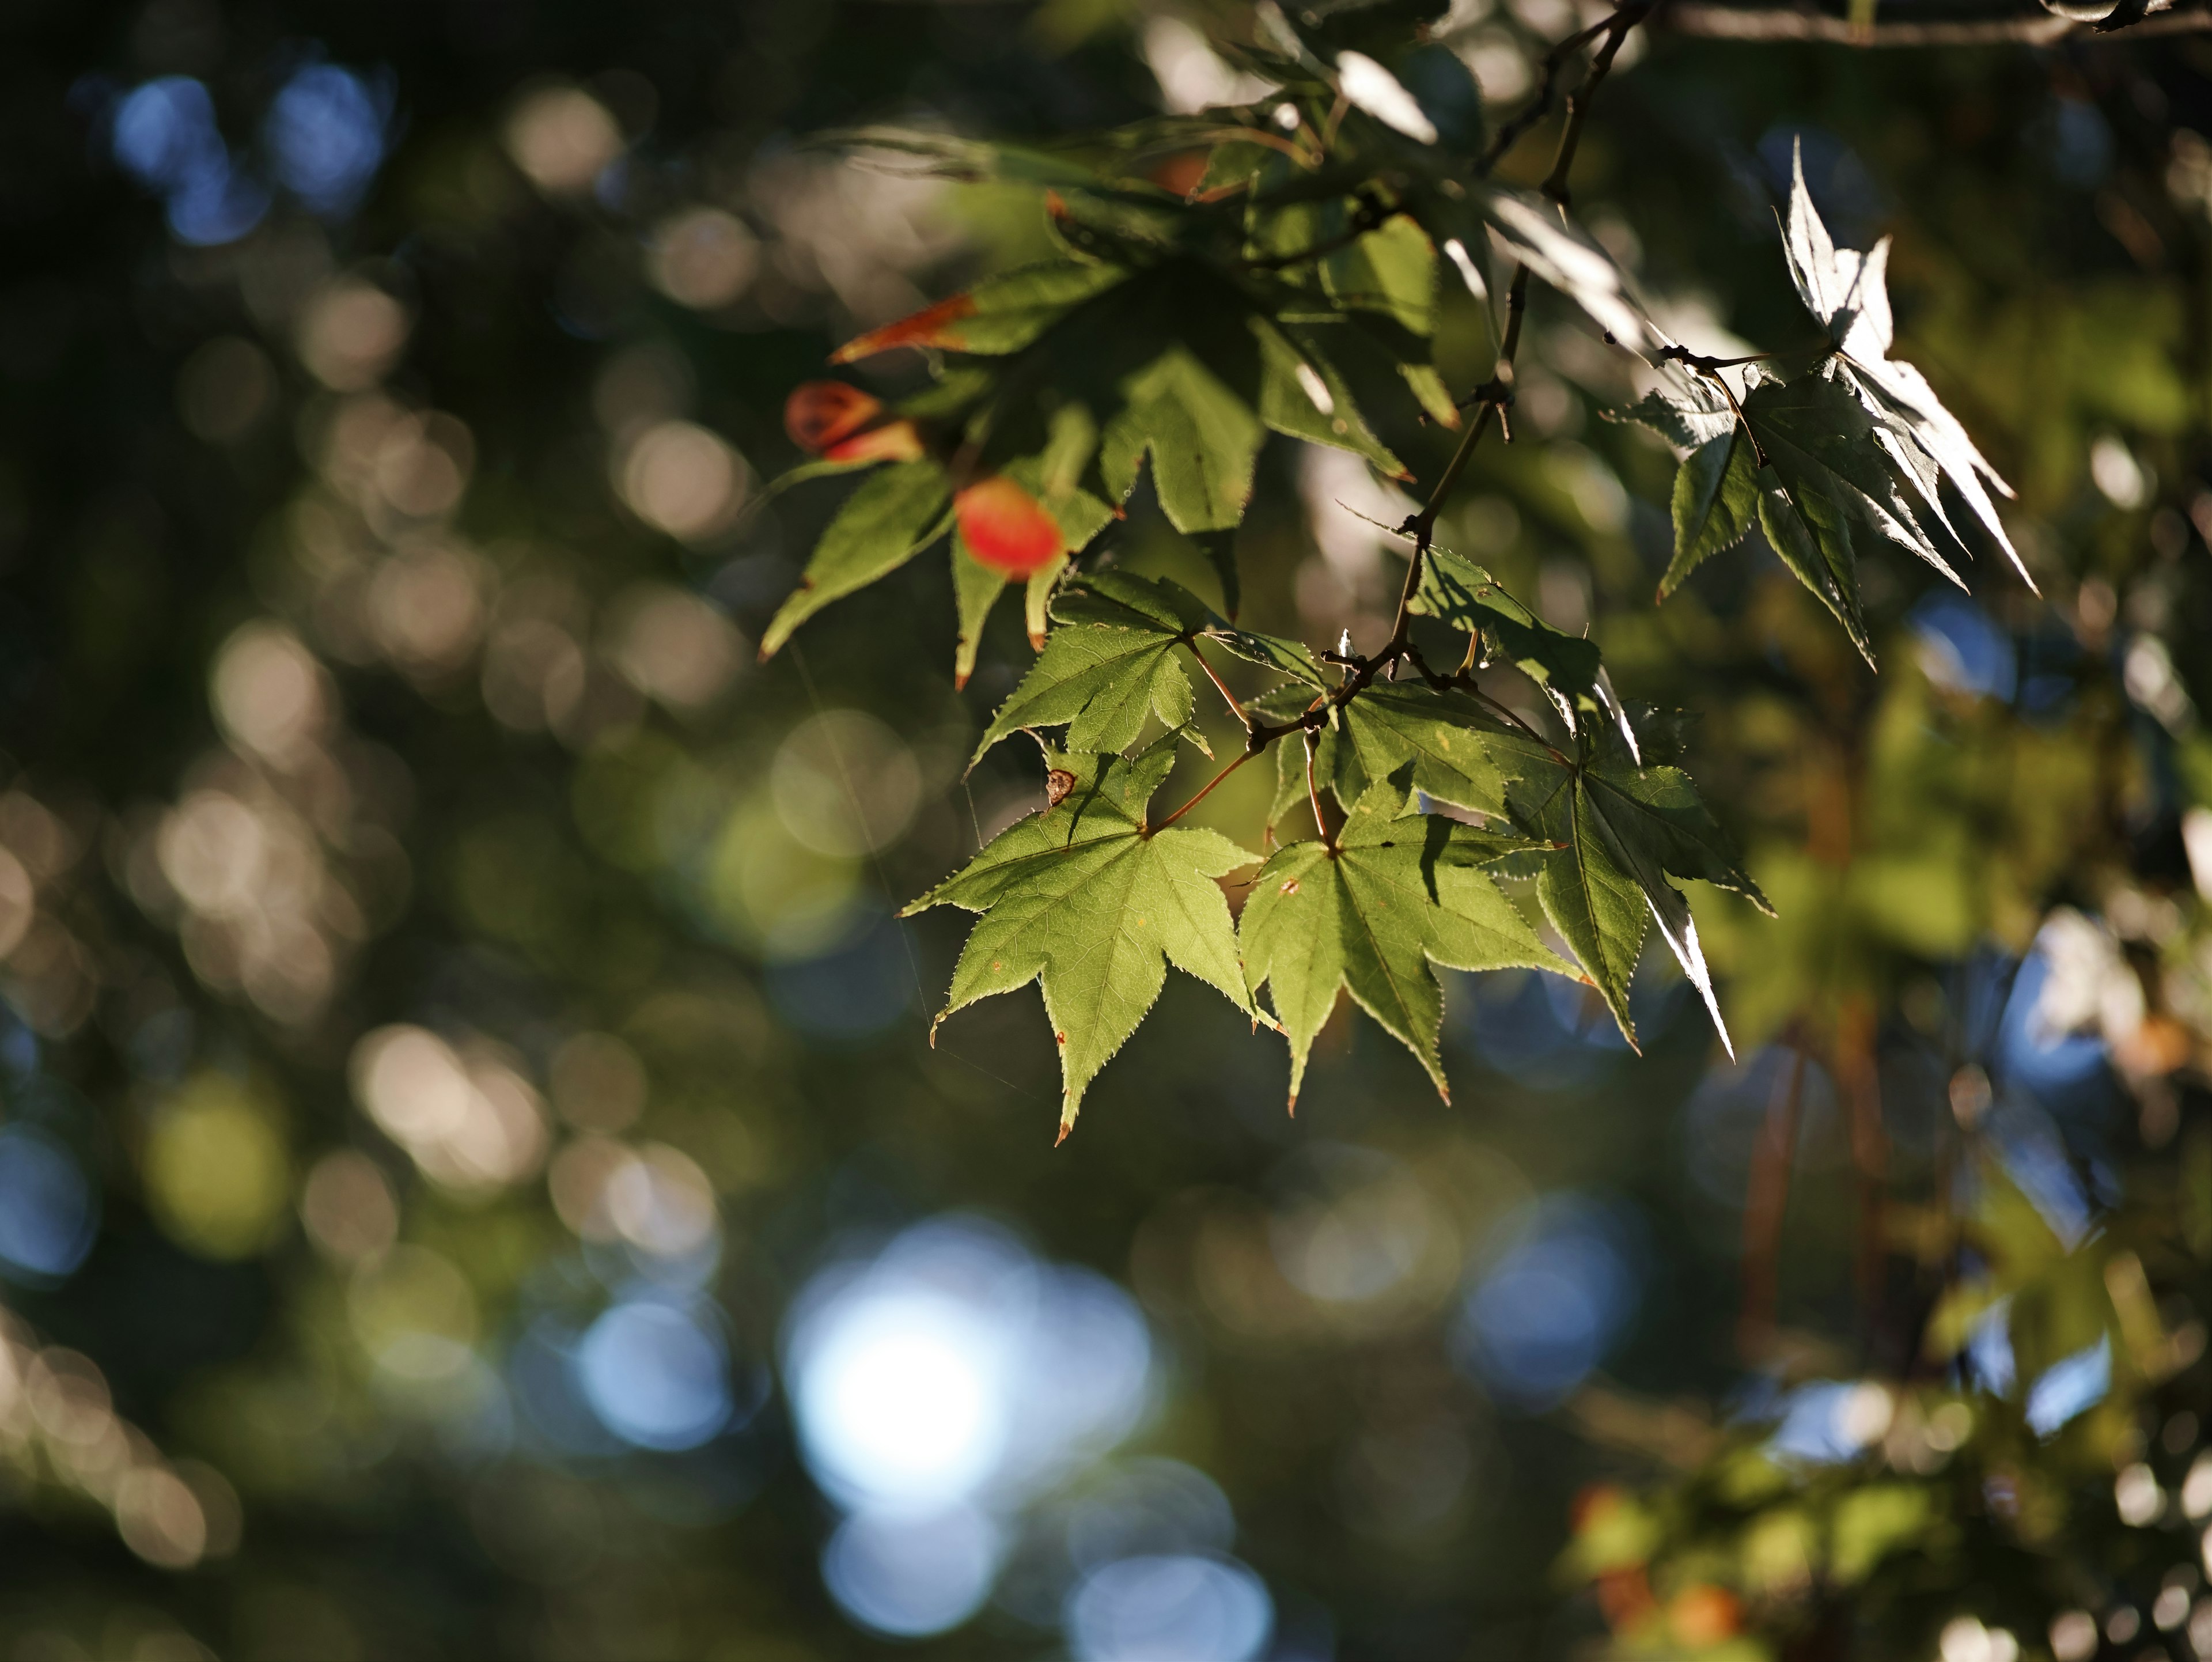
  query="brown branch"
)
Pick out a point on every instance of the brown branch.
point(1494, 397)
point(2034, 28)
point(1858, 1078)
point(1540, 106)
point(1766, 1198)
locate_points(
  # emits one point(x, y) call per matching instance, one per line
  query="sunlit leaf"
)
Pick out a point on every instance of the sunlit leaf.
point(1715, 503)
point(1396, 894)
point(1085, 899)
point(1848, 292)
point(1109, 664)
point(1303, 396)
point(1563, 254)
point(1202, 437)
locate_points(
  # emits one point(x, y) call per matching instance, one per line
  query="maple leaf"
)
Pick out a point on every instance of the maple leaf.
point(1086, 899)
point(1618, 832)
point(1395, 894)
point(1111, 665)
point(895, 515)
point(1848, 291)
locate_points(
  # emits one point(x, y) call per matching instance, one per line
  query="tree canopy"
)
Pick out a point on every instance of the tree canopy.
point(580, 587)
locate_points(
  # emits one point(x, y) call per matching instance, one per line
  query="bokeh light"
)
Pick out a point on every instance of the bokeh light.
point(561, 138)
point(164, 134)
point(656, 1374)
point(1551, 1307)
point(325, 130)
point(683, 479)
point(49, 1211)
point(1195, 1608)
point(911, 1574)
point(218, 1177)
point(704, 258)
point(953, 1370)
point(470, 1125)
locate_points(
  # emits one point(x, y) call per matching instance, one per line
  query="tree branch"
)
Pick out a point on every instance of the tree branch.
point(1494, 397)
point(2030, 28)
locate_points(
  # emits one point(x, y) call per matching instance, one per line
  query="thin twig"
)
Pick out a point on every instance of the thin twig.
point(1494, 397)
point(1204, 792)
point(2029, 29)
point(1540, 106)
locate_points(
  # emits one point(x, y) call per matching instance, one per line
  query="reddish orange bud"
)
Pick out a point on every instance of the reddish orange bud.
point(930, 326)
point(820, 413)
point(1704, 1614)
point(1006, 528)
point(1180, 174)
point(896, 440)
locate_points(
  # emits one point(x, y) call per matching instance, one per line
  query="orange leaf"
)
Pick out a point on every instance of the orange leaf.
point(896, 440)
point(1180, 174)
point(1006, 528)
point(820, 413)
point(930, 326)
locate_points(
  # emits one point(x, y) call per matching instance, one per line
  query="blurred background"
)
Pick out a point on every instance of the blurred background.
point(473, 1179)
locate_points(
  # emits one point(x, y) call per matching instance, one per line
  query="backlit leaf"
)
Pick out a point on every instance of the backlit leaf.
point(1848, 291)
point(1460, 592)
point(1006, 528)
point(1085, 900)
point(1397, 894)
point(999, 315)
point(1202, 437)
point(819, 413)
point(1109, 664)
point(1715, 503)
point(893, 516)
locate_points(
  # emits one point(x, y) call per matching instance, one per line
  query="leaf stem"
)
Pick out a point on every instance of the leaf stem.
point(1313, 793)
point(1204, 790)
point(1219, 686)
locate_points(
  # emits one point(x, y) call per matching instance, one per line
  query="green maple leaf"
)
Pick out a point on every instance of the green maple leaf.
point(1567, 667)
point(1396, 894)
point(1087, 900)
point(1715, 502)
point(1849, 292)
point(1762, 464)
point(1202, 437)
point(896, 513)
point(1618, 832)
point(1111, 665)
point(1457, 750)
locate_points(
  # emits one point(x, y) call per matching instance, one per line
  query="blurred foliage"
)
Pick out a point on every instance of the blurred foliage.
point(464, 1096)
